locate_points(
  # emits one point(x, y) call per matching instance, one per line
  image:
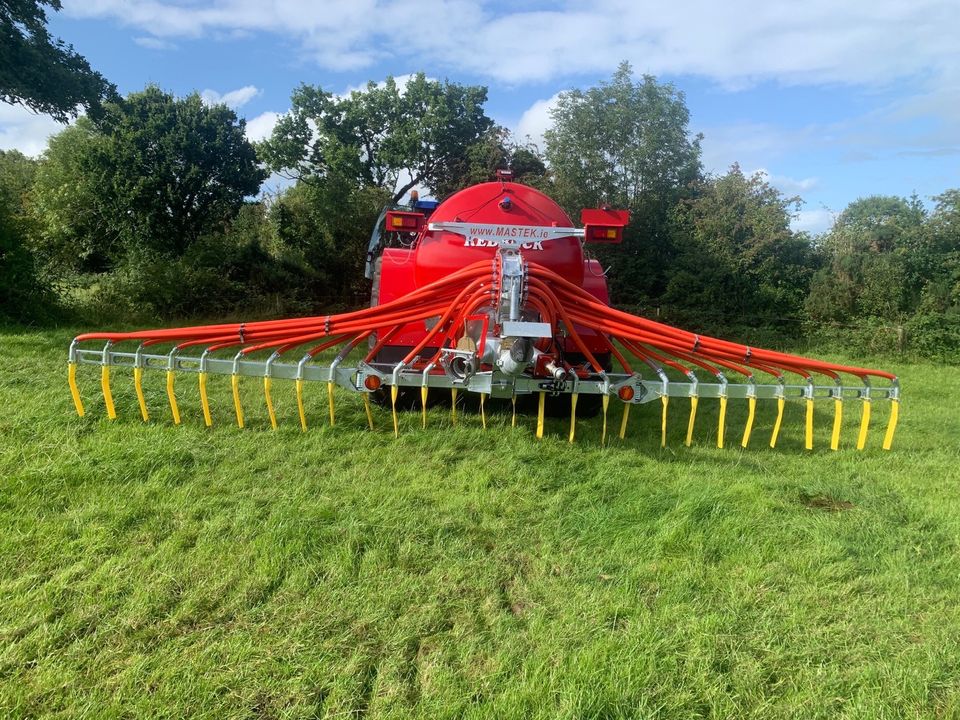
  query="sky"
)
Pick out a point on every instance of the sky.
point(832, 99)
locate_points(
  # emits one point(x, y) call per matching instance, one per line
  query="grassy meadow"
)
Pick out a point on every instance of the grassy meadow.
point(148, 570)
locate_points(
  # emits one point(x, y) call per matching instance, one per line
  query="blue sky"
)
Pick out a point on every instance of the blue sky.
point(833, 100)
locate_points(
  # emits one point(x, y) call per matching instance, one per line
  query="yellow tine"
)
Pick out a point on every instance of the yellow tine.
point(269, 399)
point(606, 403)
point(330, 402)
point(573, 415)
point(174, 410)
point(138, 386)
point(751, 414)
point(203, 400)
point(694, 401)
point(664, 400)
point(238, 408)
point(366, 406)
point(453, 406)
point(423, 404)
point(394, 391)
point(74, 390)
point(623, 422)
point(721, 424)
point(540, 407)
point(300, 408)
point(864, 424)
point(513, 400)
point(483, 414)
point(776, 425)
point(891, 424)
point(808, 441)
point(107, 395)
point(837, 420)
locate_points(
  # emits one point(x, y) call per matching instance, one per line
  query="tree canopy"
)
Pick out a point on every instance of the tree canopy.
point(41, 72)
point(626, 143)
point(384, 136)
point(738, 226)
point(152, 175)
point(623, 142)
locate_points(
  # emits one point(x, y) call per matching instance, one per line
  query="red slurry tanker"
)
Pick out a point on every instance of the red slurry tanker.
point(490, 292)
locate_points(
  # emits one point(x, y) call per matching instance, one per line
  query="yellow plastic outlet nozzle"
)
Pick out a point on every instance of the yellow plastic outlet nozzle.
point(694, 401)
point(541, 404)
point(333, 417)
point(891, 424)
point(366, 407)
point(204, 402)
point(573, 415)
point(664, 401)
point(107, 395)
point(301, 411)
point(74, 390)
point(237, 407)
point(837, 422)
point(266, 395)
point(605, 402)
point(864, 424)
point(623, 420)
point(138, 386)
point(751, 414)
point(172, 397)
point(394, 391)
point(423, 404)
point(781, 402)
point(721, 422)
point(808, 435)
point(483, 412)
point(453, 406)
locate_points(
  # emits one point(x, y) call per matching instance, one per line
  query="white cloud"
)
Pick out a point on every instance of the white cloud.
point(535, 121)
point(789, 185)
point(153, 43)
point(260, 127)
point(23, 130)
point(233, 99)
point(735, 43)
point(813, 221)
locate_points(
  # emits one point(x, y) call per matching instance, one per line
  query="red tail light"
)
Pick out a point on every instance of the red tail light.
point(399, 221)
point(602, 225)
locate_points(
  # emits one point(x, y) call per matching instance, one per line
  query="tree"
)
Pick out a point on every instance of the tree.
point(75, 231)
point(740, 259)
point(383, 136)
point(496, 150)
point(23, 294)
point(41, 72)
point(941, 291)
point(877, 261)
point(327, 225)
point(626, 144)
point(153, 175)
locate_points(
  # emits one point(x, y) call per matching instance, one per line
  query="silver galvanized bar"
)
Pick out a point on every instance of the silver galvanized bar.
point(493, 383)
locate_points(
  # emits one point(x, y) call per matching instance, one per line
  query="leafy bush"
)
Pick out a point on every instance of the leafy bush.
point(935, 336)
point(215, 278)
point(23, 297)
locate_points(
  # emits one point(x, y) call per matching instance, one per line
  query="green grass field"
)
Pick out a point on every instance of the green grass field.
point(161, 571)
